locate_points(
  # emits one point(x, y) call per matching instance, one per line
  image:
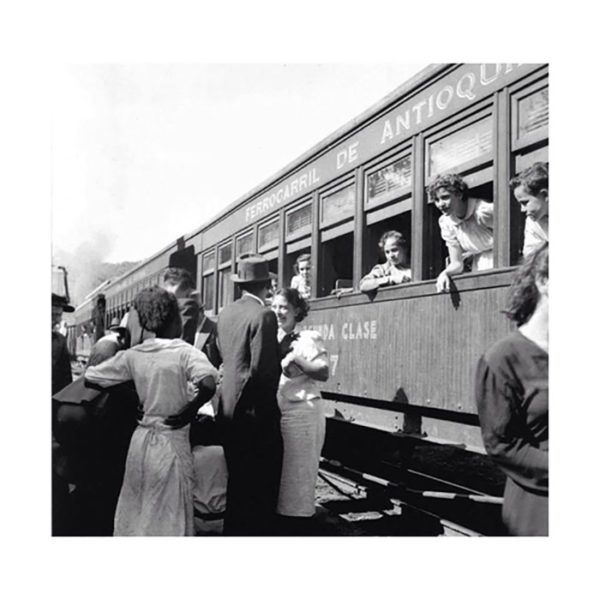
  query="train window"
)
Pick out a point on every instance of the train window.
point(244, 244)
point(338, 204)
point(298, 230)
point(298, 221)
point(530, 112)
point(465, 149)
point(336, 263)
point(224, 276)
point(461, 149)
point(268, 236)
point(336, 257)
point(208, 282)
point(389, 182)
point(388, 203)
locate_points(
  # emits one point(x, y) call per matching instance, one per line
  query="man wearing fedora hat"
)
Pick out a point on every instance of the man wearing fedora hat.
point(248, 411)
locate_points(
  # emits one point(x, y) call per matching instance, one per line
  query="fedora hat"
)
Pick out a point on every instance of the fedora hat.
point(62, 302)
point(252, 268)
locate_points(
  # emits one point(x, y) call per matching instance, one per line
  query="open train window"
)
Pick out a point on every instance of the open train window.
point(208, 282)
point(465, 148)
point(529, 144)
point(336, 258)
point(388, 204)
point(225, 285)
point(298, 238)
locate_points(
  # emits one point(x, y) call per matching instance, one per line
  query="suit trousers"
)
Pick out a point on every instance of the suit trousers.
point(254, 452)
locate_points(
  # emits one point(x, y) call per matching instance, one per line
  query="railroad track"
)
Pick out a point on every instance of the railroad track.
point(448, 509)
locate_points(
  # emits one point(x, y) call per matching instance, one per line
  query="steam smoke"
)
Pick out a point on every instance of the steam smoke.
point(84, 265)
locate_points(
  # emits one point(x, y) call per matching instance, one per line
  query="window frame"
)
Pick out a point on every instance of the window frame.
point(306, 230)
point(240, 236)
point(330, 190)
point(467, 167)
point(269, 245)
point(404, 151)
point(519, 144)
point(207, 272)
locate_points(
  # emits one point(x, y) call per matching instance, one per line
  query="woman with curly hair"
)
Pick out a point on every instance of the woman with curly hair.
point(156, 496)
point(511, 390)
point(466, 225)
point(304, 363)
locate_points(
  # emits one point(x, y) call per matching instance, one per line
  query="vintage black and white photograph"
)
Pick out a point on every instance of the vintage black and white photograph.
point(298, 258)
point(278, 316)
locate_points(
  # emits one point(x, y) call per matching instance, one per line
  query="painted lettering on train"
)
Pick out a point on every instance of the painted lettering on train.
point(350, 330)
point(347, 155)
point(294, 187)
point(468, 87)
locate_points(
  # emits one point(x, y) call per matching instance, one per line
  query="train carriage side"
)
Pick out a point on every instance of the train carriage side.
point(403, 359)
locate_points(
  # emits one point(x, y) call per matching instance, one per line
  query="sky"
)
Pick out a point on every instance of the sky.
point(142, 154)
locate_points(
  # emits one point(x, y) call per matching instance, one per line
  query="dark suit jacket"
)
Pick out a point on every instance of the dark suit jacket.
point(190, 318)
point(247, 334)
point(61, 362)
point(206, 340)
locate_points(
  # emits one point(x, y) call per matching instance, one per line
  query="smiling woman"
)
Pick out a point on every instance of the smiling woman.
point(304, 362)
point(466, 225)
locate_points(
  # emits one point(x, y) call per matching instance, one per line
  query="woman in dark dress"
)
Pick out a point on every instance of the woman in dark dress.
point(511, 391)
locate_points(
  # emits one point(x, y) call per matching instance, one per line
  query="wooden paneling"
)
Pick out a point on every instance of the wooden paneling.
point(420, 350)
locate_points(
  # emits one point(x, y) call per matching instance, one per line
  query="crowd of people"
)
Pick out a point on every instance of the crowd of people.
point(180, 426)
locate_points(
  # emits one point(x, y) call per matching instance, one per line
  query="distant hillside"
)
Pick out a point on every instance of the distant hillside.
point(84, 278)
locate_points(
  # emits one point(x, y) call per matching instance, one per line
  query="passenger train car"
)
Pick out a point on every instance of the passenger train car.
point(402, 361)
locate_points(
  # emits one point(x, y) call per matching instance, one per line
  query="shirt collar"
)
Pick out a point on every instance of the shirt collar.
point(245, 293)
point(471, 205)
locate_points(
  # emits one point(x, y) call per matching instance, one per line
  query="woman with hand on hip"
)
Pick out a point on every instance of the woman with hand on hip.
point(304, 363)
point(511, 390)
point(156, 496)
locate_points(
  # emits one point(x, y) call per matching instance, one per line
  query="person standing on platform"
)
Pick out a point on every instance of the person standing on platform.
point(530, 188)
point(248, 412)
point(511, 390)
point(304, 363)
point(157, 493)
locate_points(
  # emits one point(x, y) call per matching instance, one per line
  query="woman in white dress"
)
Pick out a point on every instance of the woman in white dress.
point(304, 362)
point(466, 225)
point(156, 496)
